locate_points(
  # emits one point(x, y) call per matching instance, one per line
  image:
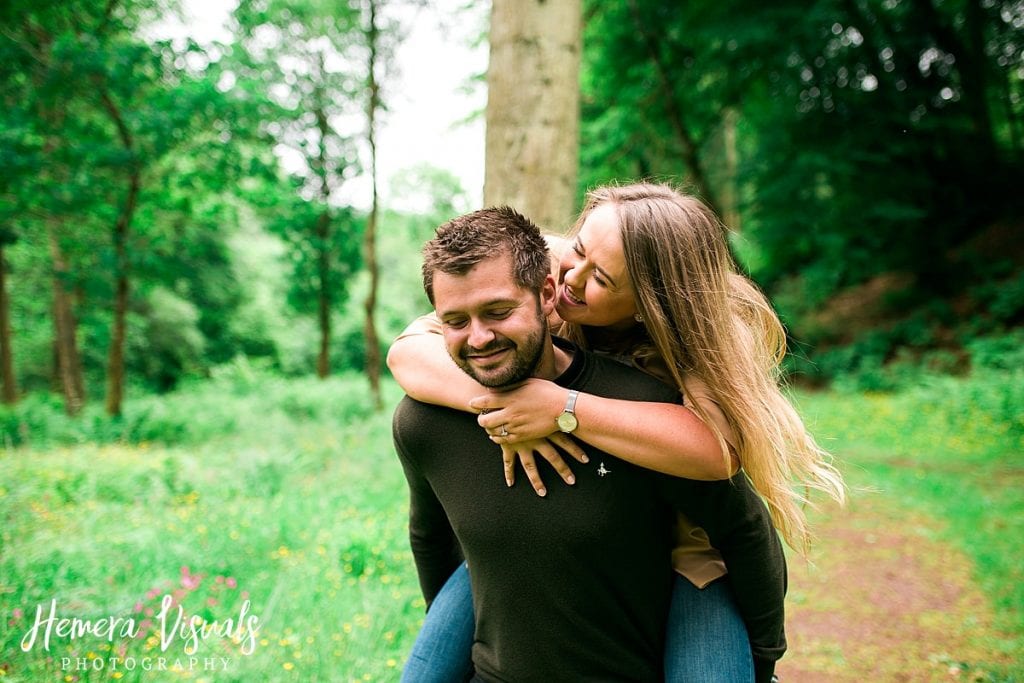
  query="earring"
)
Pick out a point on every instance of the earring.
point(637, 317)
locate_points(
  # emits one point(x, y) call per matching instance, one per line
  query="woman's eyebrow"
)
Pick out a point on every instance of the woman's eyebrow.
point(602, 271)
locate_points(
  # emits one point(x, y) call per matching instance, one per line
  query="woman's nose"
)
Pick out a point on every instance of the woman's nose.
point(573, 276)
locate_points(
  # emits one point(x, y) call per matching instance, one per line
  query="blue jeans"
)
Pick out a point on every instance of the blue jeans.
point(443, 649)
point(706, 640)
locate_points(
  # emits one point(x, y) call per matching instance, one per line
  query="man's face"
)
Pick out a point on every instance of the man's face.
point(494, 330)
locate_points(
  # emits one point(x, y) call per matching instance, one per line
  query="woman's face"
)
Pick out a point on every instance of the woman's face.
point(593, 285)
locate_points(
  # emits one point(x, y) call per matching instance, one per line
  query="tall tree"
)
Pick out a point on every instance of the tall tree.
point(532, 144)
point(300, 52)
point(373, 106)
point(43, 96)
point(152, 108)
point(122, 225)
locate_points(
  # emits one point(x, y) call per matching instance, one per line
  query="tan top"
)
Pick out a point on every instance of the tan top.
point(693, 557)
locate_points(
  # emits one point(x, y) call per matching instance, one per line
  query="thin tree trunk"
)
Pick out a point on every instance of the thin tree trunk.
point(532, 146)
point(730, 190)
point(369, 241)
point(10, 387)
point(68, 363)
point(323, 233)
point(323, 362)
point(115, 358)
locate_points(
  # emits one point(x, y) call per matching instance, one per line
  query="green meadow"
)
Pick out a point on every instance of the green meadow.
point(286, 493)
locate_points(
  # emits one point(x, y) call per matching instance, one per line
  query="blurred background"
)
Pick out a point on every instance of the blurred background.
point(210, 222)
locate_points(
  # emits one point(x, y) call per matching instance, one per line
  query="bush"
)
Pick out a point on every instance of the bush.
point(1003, 352)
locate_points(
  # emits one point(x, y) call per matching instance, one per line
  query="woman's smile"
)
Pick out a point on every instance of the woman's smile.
point(567, 296)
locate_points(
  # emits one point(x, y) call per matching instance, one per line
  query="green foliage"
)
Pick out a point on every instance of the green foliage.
point(241, 396)
point(324, 251)
point(95, 108)
point(1003, 352)
point(871, 138)
point(856, 75)
point(88, 100)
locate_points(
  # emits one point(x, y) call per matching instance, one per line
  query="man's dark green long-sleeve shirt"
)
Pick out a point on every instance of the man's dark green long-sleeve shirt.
point(576, 585)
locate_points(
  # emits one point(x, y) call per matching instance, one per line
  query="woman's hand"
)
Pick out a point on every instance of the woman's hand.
point(664, 437)
point(527, 412)
point(525, 450)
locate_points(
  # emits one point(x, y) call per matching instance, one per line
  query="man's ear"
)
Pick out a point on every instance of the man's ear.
point(547, 295)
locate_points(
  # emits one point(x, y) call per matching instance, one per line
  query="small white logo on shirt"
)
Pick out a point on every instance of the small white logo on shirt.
point(601, 471)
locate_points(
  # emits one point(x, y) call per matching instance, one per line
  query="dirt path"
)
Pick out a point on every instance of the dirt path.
point(886, 601)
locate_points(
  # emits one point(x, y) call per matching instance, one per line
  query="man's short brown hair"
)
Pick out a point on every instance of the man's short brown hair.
point(463, 242)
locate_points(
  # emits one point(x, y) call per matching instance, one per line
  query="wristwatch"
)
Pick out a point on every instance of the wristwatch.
point(567, 421)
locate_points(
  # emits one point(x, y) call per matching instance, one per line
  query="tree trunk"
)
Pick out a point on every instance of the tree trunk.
point(730, 189)
point(69, 366)
point(323, 230)
point(323, 361)
point(115, 358)
point(370, 238)
point(532, 153)
point(10, 387)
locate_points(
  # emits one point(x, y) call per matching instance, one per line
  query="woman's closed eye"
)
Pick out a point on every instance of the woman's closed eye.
point(601, 282)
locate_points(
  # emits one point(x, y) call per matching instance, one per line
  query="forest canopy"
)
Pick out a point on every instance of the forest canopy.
point(866, 154)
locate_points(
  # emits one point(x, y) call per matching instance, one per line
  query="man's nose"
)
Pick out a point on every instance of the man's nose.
point(480, 334)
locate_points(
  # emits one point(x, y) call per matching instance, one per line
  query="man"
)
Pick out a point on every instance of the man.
point(576, 585)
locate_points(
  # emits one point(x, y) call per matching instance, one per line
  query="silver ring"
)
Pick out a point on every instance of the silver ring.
point(504, 432)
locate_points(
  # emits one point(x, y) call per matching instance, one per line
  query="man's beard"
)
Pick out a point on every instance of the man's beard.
point(525, 359)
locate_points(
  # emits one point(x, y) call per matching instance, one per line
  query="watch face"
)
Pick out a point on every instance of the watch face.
point(567, 422)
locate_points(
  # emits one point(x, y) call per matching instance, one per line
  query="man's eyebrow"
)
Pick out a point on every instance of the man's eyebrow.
point(598, 268)
point(487, 304)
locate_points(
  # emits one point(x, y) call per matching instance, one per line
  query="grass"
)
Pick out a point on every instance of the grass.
point(287, 494)
point(303, 514)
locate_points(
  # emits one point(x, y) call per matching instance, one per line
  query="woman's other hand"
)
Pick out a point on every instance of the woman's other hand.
point(525, 452)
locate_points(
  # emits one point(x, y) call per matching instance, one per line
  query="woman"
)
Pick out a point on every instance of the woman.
point(647, 277)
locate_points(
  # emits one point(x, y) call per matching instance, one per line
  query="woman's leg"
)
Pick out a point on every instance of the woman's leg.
point(706, 640)
point(442, 652)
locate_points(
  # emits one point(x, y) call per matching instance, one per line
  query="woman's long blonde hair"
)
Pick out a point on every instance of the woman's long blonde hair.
point(706, 320)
